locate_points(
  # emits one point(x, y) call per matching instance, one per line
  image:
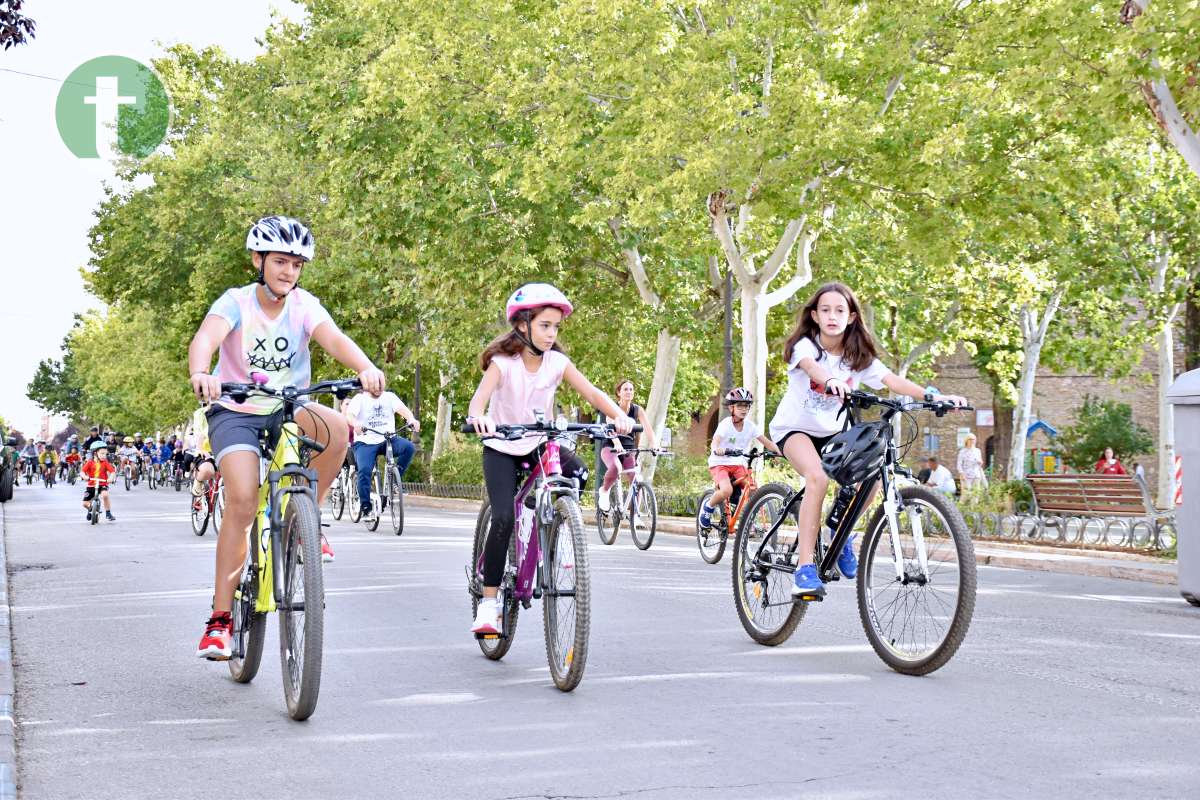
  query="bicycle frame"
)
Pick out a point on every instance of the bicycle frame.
point(281, 471)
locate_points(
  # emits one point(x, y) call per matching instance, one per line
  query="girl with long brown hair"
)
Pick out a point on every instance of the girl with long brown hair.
point(830, 354)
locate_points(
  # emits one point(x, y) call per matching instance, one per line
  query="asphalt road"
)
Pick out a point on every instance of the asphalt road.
point(1067, 686)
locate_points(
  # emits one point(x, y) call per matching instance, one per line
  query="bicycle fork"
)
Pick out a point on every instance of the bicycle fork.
point(892, 509)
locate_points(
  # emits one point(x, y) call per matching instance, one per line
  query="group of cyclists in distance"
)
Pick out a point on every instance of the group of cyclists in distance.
point(261, 333)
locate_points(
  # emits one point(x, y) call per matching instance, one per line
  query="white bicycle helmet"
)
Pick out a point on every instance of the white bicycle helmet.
point(537, 295)
point(279, 234)
point(738, 394)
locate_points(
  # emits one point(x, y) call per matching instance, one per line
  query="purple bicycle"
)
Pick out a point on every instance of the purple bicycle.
point(547, 556)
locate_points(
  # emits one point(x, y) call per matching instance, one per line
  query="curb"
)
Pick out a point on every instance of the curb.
point(8, 727)
point(1073, 561)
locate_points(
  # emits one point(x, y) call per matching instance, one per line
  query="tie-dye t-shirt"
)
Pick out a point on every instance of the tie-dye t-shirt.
point(278, 347)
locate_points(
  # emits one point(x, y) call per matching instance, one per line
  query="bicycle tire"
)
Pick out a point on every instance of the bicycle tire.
point(218, 511)
point(495, 649)
point(337, 496)
point(376, 500)
point(301, 634)
point(95, 511)
point(6, 485)
point(252, 634)
point(871, 613)
point(178, 480)
point(200, 514)
point(749, 584)
point(567, 654)
point(712, 541)
point(396, 501)
point(127, 481)
point(606, 524)
point(352, 498)
point(643, 516)
point(150, 479)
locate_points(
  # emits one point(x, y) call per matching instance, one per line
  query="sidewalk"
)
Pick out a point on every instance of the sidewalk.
point(1014, 555)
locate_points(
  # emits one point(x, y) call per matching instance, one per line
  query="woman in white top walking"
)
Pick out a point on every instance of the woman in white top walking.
point(970, 465)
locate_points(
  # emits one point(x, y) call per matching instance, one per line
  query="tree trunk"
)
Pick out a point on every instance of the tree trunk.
point(1166, 413)
point(441, 431)
point(754, 351)
point(666, 365)
point(1191, 335)
point(1033, 333)
point(1001, 435)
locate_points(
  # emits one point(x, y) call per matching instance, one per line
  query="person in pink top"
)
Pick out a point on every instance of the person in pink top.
point(521, 370)
point(264, 327)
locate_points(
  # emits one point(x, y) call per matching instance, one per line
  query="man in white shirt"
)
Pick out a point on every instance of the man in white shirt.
point(370, 416)
point(940, 477)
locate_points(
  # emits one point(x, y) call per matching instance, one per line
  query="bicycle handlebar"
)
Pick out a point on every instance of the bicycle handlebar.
point(512, 432)
point(240, 391)
point(861, 399)
point(753, 454)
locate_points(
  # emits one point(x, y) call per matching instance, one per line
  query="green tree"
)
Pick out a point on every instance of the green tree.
point(1099, 424)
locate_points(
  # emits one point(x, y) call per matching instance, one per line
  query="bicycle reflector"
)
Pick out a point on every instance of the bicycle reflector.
point(853, 455)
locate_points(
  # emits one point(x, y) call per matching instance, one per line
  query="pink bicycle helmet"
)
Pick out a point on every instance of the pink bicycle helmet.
point(537, 295)
point(738, 395)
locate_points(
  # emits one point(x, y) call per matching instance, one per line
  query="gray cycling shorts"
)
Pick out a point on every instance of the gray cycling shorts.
point(231, 431)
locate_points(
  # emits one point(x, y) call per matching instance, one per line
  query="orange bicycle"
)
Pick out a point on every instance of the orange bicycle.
point(725, 519)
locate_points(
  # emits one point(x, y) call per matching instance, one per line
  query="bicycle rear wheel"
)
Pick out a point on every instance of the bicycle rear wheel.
point(396, 500)
point(643, 517)
point(302, 613)
point(712, 541)
point(762, 587)
point(200, 514)
point(917, 622)
point(249, 626)
point(607, 523)
point(566, 598)
point(497, 648)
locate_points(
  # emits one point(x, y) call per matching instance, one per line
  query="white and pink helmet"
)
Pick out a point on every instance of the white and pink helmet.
point(537, 295)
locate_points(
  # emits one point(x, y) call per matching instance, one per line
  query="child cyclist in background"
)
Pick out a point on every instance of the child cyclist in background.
point(522, 369)
point(97, 472)
point(735, 432)
point(830, 354)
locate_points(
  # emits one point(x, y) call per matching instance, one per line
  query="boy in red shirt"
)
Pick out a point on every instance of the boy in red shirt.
point(96, 473)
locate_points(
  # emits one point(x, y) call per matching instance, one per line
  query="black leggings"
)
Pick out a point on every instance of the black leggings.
point(503, 475)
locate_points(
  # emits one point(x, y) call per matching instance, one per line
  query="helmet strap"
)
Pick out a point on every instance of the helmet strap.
point(262, 280)
point(527, 339)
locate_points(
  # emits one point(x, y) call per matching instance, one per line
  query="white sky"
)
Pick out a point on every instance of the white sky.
point(47, 195)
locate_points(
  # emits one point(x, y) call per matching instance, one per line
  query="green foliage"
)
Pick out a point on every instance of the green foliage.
point(1099, 424)
point(1004, 497)
point(461, 463)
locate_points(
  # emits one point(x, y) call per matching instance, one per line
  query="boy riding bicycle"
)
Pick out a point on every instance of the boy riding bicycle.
point(368, 413)
point(97, 472)
point(735, 432)
point(264, 327)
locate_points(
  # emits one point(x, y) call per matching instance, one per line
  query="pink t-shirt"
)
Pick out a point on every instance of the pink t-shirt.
point(278, 347)
point(519, 393)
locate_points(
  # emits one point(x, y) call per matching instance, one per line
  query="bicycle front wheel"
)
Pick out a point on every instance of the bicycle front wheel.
point(711, 540)
point(302, 613)
point(607, 523)
point(376, 500)
point(352, 496)
point(337, 496)
point(917, 619)
point(566, 597)
point(249, 626)
point(762, 572)
point(200, 514)
point(643, 516)
point(396, 501)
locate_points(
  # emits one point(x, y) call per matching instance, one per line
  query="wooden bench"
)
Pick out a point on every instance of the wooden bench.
point(1126, 497)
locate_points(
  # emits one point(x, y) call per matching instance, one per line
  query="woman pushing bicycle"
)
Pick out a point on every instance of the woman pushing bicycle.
point(830, 353)
point(264, 327)
point(522, 369)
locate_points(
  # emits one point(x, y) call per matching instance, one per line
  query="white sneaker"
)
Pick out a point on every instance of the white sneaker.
point(604, 500)
point(487, 616)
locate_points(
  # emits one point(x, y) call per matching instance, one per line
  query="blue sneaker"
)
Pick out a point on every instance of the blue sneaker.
point(808, 585)
point(847, 561)
point(706, 516)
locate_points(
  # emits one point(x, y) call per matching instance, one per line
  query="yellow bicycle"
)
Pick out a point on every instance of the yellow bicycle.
point(283, 562)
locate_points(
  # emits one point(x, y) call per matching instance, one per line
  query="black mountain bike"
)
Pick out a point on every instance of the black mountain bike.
point(916, 577)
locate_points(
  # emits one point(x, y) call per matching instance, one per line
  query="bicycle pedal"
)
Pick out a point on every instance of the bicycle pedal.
point(807, 598)
point(488, 636)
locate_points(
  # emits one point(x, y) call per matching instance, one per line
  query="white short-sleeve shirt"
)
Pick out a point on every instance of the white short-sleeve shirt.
point(374, 412)
point(727, 437)
point(805, 407)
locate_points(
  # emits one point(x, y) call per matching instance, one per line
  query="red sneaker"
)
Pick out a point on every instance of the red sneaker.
point(218, 633)
point(326, 550)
